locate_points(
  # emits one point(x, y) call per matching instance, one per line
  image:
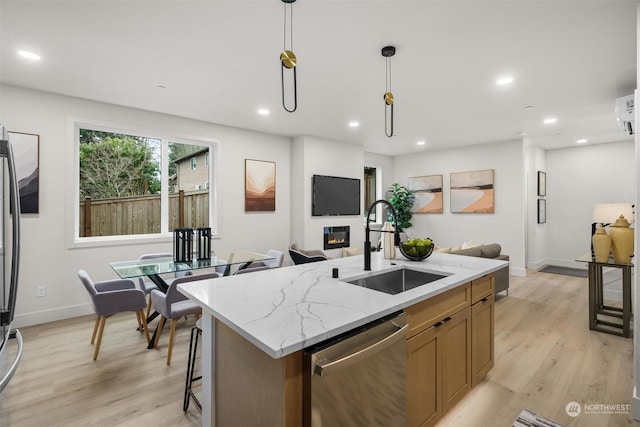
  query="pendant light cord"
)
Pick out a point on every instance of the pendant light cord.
point(388, 74)
point(284, 41)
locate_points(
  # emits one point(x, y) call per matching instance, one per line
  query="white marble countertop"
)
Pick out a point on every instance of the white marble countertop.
point(284, 310)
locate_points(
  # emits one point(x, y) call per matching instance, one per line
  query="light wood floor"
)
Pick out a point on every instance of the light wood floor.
point(546, 357)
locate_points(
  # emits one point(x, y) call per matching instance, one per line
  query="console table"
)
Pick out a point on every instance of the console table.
point(604, 318)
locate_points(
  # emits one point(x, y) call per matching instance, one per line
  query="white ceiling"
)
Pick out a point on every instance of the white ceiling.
point(219, 62)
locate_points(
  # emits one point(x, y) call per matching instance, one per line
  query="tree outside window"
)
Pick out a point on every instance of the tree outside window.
point(121, 185)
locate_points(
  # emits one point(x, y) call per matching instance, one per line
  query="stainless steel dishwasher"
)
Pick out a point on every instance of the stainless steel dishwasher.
point(358, 378)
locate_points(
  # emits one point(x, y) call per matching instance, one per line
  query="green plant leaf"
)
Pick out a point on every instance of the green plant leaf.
point(402, 201)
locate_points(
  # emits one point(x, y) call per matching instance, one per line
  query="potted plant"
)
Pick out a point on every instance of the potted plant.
point(402, 200)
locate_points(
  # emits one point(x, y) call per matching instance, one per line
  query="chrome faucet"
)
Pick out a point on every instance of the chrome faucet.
point(367, 242)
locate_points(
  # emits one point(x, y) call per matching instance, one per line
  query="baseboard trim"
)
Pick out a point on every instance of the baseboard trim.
point(521, 272)
point(53, 315)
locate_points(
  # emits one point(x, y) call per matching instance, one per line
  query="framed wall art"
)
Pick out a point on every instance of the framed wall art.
point(472, 192)
point(542, 211)
point(259, 185)
point(26, 155)
point(428, 193)
point(542, 183)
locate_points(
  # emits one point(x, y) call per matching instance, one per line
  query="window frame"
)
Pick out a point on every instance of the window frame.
point(75, 241)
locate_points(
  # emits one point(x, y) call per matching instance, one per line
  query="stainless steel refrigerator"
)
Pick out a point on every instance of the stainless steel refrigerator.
point(10, 339)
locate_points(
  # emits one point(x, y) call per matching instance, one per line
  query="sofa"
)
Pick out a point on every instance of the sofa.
point(492, 250)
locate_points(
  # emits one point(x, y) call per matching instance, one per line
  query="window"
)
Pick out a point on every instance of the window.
point(130, 183)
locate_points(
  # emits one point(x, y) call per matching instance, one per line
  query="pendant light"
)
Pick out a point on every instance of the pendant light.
point(388, 52)
point(288, 59)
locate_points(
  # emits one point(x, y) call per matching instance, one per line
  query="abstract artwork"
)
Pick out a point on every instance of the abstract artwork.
point(542, 183)
point(259, 185)
point(472, 192)
point(428, 193)
point(26, 149)
point(542, 211)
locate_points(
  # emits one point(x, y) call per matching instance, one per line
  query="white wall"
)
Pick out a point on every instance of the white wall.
point(324, 157)
point(46, 259)
point(506, 226)
point(535, 160)
point(577, 179)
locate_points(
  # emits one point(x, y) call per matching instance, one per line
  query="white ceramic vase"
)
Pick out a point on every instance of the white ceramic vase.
point(388, 245)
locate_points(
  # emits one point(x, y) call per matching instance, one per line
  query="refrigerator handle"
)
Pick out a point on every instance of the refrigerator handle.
point(14, 200)
point(14, 366)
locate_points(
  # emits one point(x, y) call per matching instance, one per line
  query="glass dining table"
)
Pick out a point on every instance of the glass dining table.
point(154, 268)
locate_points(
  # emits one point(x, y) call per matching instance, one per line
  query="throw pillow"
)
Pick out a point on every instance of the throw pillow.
point(469, 244)
point(442, 250)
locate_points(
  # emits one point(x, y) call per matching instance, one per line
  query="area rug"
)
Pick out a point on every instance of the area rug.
point(567, 271)
point(529, 419)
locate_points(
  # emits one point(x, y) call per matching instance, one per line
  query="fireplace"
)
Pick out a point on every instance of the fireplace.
point(336, 237)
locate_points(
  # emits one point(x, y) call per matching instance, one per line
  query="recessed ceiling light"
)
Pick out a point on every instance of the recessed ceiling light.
point(581, 141)
point(550, 120)
point(502, 81)
point(263, 112)
point(354, 124)
point(29, 55)
point(420, 142)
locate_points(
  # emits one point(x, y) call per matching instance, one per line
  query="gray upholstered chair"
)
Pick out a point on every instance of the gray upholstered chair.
point(300, 256)
point(276, 262)
point(147, 285)
point(110, 297)
point(173, 305)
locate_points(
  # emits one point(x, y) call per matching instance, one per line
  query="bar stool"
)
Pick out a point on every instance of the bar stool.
point(196, 331)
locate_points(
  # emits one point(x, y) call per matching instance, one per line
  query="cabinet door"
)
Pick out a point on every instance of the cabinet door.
point(456, 358)
point(424, 378)
point(482, 321)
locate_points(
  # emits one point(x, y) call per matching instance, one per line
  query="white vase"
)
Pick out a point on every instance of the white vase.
point(388, 245)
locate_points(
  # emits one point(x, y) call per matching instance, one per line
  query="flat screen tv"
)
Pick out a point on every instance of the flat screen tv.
point(333, 195)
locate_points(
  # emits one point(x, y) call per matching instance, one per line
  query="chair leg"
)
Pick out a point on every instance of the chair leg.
point(160, 326)
point(138, 318)
point(191, 364)
point(103, 319)
point(143, 320)
point(95, 329)
point(171, 332)
point(148, 307)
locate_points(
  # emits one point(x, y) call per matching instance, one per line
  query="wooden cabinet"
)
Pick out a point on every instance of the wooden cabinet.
point(438, 355)
point(449, 349)
point(424, 378)
point(482, 328)
point(456, 359)
point(482, 342)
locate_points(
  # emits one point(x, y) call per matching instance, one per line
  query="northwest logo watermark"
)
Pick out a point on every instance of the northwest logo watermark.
point(574, 409)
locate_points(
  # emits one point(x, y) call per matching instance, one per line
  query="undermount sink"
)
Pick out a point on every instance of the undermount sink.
point(396, 281)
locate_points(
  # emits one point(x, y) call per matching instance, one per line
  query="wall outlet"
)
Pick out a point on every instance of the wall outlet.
point(41, 291)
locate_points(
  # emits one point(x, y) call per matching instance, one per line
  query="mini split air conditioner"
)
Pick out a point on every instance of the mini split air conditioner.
point(624, 113)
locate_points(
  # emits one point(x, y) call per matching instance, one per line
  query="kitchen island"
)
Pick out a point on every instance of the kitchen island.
point(255, 326)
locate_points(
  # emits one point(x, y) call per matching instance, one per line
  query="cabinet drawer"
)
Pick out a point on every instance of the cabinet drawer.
point(482, 287)
point(427, 313)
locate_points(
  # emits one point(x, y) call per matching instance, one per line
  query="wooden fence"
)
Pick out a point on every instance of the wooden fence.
point(141, 214)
